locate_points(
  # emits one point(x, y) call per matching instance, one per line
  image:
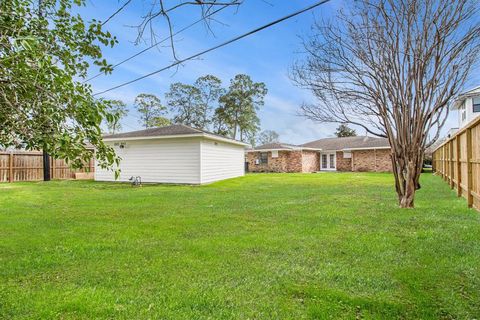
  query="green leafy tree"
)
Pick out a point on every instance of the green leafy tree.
point(45, 53)
point(267, 136)
point(150, 108)
point(239, 105)
point(184, 102)
point(194, 105)
point(161, 122)
point(210, 89)
point(345, 131)
point(119, 110)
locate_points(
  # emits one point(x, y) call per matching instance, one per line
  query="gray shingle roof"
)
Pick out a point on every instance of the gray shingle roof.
point(360, 142)
point(277, 145)
point(172, 130)
point(176, 129)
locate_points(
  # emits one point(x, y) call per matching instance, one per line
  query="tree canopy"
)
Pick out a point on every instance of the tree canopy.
point(239, 105)
point(344, 130)
point(150, 108)
point(45, 52)
point(119, 110)
point(267, 136)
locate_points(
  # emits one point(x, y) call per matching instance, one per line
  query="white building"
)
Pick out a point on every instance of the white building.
point(175, 154)
point(468, 106)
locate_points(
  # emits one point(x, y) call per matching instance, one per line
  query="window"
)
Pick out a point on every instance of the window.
point(463, 112)
point(332, 161)
point(264, 158)
point(274, 153)
point(476, 104)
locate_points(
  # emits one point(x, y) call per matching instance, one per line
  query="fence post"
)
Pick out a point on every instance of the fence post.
point(445, 159)
point(459, 167)
point(469, 170)
point(10, 167)
point(52, 167)
point(452, 166)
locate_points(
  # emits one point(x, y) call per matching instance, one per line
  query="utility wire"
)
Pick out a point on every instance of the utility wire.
point(217, 46)
point(159, 42)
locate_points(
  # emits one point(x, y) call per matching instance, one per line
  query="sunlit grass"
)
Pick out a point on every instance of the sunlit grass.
point(279, 246)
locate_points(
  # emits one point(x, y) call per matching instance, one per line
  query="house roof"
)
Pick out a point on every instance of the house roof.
point(172, 131)
point(276, 146)
point(280, 146)
point(457, 103)
point(349, 143)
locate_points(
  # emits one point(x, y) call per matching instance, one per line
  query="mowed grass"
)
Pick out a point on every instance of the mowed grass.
point(264, 246)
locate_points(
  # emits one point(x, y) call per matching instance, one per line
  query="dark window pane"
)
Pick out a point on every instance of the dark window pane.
point(476, 104)
point(264, 157)
point(324, 161)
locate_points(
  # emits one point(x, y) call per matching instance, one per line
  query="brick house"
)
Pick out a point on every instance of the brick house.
point(330, 154)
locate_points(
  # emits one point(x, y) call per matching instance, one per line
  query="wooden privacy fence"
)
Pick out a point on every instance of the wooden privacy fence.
point(28, 166)
point(457, 160)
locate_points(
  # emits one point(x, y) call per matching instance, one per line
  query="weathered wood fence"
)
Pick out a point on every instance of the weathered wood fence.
point(28, 166)
point(457, 160)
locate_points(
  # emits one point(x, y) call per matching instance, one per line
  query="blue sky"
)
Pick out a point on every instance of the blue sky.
point(265, 56)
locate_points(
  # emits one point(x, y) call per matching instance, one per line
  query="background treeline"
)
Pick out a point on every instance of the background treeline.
point(205, 104)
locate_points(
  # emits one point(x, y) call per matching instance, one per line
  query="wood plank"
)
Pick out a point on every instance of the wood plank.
point(10, 170)
point(459, 167)
point(469, 168)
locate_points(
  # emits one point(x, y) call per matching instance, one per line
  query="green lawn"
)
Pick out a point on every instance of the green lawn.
point(280, 246)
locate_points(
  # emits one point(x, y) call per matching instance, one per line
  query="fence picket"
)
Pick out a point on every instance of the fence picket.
point(28, 166)
point(457, 161)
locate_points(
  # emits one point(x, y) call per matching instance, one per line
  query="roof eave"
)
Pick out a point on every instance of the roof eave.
point(283, 149)
point(367, 148)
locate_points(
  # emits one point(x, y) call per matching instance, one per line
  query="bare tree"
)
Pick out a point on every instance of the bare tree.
point(392, 67)
point(159, 10)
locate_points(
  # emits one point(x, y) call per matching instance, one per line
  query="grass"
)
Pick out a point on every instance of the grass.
point(265, 246)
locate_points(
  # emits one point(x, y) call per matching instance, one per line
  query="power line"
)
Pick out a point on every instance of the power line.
point(161, 41)
point(217, 46)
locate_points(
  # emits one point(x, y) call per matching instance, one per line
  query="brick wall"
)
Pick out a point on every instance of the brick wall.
point(372, 160)
point(343, 164)
point(278, 164)
point(287, 161)
point(310, 161)
point(294, 161)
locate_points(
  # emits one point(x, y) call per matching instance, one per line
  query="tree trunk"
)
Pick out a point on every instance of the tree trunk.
point(407, 173)
point(46, 166)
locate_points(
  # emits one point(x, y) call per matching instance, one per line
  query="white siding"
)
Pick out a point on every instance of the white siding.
point(159, 160)
point(221, 160)
point(470, 115)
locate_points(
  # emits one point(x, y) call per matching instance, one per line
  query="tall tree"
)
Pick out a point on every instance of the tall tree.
point(45, 52)
point(210, 89)
point(161, 122)
point(150, 108)
point(193, 105)
point(184, 102)
point(267, 136)
point(239, 105)
point(119, 109)
point(344, 130)
point(393, 68)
